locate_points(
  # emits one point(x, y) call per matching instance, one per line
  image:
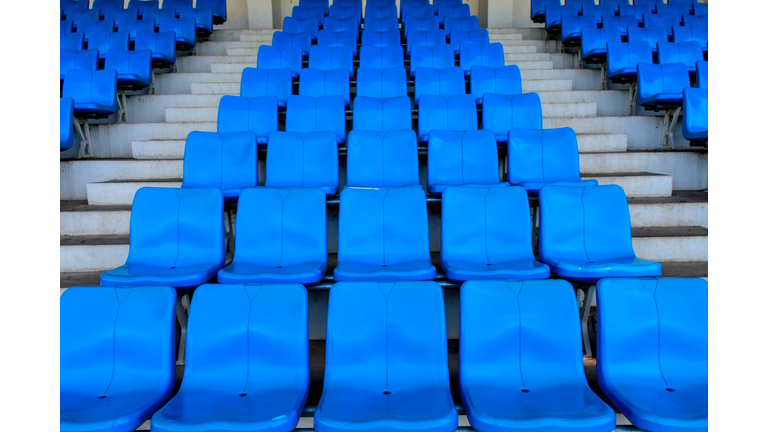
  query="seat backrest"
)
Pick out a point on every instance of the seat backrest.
point(203, 17)
point(665, 20)
point(376, 12)
point(702, 74)
point(467, 24)
point(476, 37)
point(553, 14)
point(698, 34)
point(177, 227)
point(381, 83)
point(256, 83)
point(169, 4)
point(502, 113)
point(383, 226)
point(426, 23)
point(301, 12)
point(223, 161)
point(584, 224)
point(623, 22)
point(141, 5)
point(70, 59)
point(592, 39)
point(380, 39)
point(159, 14)
point(89, 26)
point(315, 3)
point(453, 113)
point(271, 57)
point(68, 5)
point(424, 10)
point(76, 16)
point(242, 114)
point(436, 57)
point(334, 39)
point(687, 53)
point(326, 58)
point(105, 42)
point(542, 156)
point(118, 14)
point(382, 24)
point(219, 8)
point(440, 82)
point(665, 321)
point(655, 79)
point(307, 114)
point(485, 225)
point(296, 25)
point(340, 24)
point(381, 57)
point(72, 41)
point(627, 55)
point(66, 26)
point(652, 35)
point(159, 43)
point(382, 159)
point(117, 340)
point(491, 55)
point(429, 38)
point(574, 24)
point(696, 109)
point(137, 63)
point(66, 119)
point(373, 114)
point(700, 9)
point(303, 161)
point(675, 9)
point(302, 40)
point(91, 86)
point(453, 11)
point(319, 83)
point(636, 10)
point(504, 80)
point(598, 10)
point(456, 158)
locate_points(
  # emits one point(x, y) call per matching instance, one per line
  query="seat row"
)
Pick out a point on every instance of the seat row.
point(386, 364)
point(615, 7)
point(217, 9)
point(655, 31)
point(182, 28)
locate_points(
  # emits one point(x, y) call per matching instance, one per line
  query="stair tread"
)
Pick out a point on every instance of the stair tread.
point(94, 240)
point(674, 231)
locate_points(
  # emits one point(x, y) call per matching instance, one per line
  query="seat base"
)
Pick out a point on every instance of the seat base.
point(437, 189)
point(590, 273)
point(244, 273)
point(411, 271)
point(181, 278)
point(533, 187)
point(459, 271)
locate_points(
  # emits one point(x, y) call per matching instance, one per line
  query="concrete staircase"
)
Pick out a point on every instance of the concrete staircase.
point(666, 189)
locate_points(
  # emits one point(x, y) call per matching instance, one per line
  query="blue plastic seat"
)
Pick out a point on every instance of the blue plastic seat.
point(665, 21)
point(115, 15)
point(381, 57)
point(520, 365)
point(623, 58)
point(538, 8)
point(302, 40)
point(537, 158)
point(79, 4)
point(604, 8)
point(172, 4)
point(162, 45)
point(134, 68)
point(142, 5)
point(296, 25)
point(553, 16)
point(437, 57)
point(242, 114)
point(330, 39)
point(376, 12)
point(106, 41)
point(66, 26)
point(70, 59)
point(257, 83)
point(462, 158)
point(317, 83)
point(326, 59)
point(700, 8)
point(338, 11)
point(678, 9)
point(660, 87)
point(692, 20)
point(623, 23)
point(439, 82)
point(307, 114)
point(491, 55)
point(303, 12)
point(453, 113)
point(476, 37)
point(698, 34)
point(77, 16)
point(255, 378)
point(662, 385)
point(398, 378)
point(504, 80)
point(177, 239)
point(72, 41)
point(270, 57)
point(315, 3)
point(66, 120)
point(381, 83)
point(696, 114)
point(425, 24)
point(158, 14)
point(94, 92)
point(466, 24)
point(459, 11)
point(614, 4)
point(383, 236)
point(687, 53)
point(307, 160)
point(593, 43)
point(341, 24)
point(224, 161)
point(380, 39)
point(416, 10)
point(117, 347)
point(382, 159)
point(89, 26)
point(636, 10)
point(133, 27)
point(186, 37)
point(203, 19)
point(585, 234)
point(652, 35)
point(572, 25)
point(382, 115)
point(501, 113)
point(702, 74)
point(382, 24)
point(281, 236)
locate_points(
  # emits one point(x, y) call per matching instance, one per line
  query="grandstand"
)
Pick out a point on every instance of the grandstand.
point(383, 215)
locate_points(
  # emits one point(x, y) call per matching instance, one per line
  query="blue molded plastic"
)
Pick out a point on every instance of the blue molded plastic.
point(702, 74)
point(302, 39)
point(382, 83)
point(491, 55)
point(698, 34)
point(326, 59)
point(452, 113)
point(331, 39)
point(430, 38)
point(241, 114)
point(593, 43)
point(382, 159)
point(95, 93)
point(303, 160)
point(381, 57)
point(382, 24)
point(623, 58)
point(439, 82)
point(186, 36)
point(380, 39)
point(696, 114)
point(66, 120)
point(319, 83)
point(257, 83)
point(503, 80)
point(270, 57)
point(476, 37)
point(307, 114)
point(463, 24)
point(297, 25)
point(386, 114)
point(462, 158)
point(70, 59)
point(687, 53)
point(106, 41)
point(501, 113)
point(134, 68)
point(660, 86)
point(572, 25)
point(416, 23)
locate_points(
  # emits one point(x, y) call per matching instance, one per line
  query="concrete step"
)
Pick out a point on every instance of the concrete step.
point(231, 67)
point(211, 88)
point(181, 83)
point(499, 37)
point(92, 253)
point(524, 65)
point(688, 169)
point(121, 192)
point(158, 149)
point(77, 174)
point(527, 33)
point(596, 143)
point(568, 110)
point(547, 85)
point(236, 35)
point(78, 218)
point(520, 49)
point(514, 57)
point(609, 102)
point(220, 48)
point(203, 63)
point(151, 108)
point(583, 79)
point(257, 38)
point(541, 45)
point(635, 184)
point(244, 51)
point(559, 60)
point(675, 244)
point(644, 132)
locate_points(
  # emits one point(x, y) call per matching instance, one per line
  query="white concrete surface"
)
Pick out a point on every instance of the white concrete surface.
point(672, 249)
point(637, 185)
point(121, 193)
point(91, 258)
point(74, 175)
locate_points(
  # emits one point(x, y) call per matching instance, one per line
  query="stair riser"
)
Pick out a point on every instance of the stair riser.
point(114, 140)
point(583, 79)
point(674, 249)
point(158, 150)
point(91, 258)
point(220, 48)
point(75, 175)
point(181, 83)
point(236, 35)
point(643, 132)
point(94, 222)
point(120, 193)
point(540, 45)
point(689, 169)
point(639, 186)
point(525, 65)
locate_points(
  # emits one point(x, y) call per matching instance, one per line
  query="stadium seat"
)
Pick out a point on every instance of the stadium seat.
point(103, 42)
point(255, 378)
point(416, 10)
point(242, 114)
point(623, 58)
point(598, 11)
point(66, 120)
point(315, 3)
point(652, 35)
point(462, 159)
point(475, 37)
point(326, 59)
point(134, 68)
point(177, 239)
point(537, 158)
point(270, 57)
point(281, 234)
point(425, 24)
point(439, 82)
point(303, 161)
point(186, 38)
point(80, 4)
point(296, 25)
point(158, 14)
point(636, 10)
point(307, 114)
point(203, 19)
point(70, 59)
point(256, 83)
point(678, 9)
point(666, 21)
point(572, 25)
point(173, 4)
point(437, 57)
point(553, 16)
point(303, 12)
point(142, 5)
point(438, 3)
point(501, 113)
point(219, 8)
point(702, 74)
point(72, 41)
point(380, 39)
point(593, 43)
point(459, 11)
point(692, 20)
point(662, 385)
point(466, 24)
point(318, 83)
point(339, 25)
point(381, 83)
point(381, 57)
point(77, 16)
point(431, 38)
point(398, 378)
point(453, 113)
point(623, 23)
point(330, 39)
point(687, 53)
point(382, 115)
point(383, 236)
point(377, 12)
point(116, 356)
point(115, 15)
point(66, 26)
point(700, 9)
point(133, 27)
point(491, 55)
point(521, 366)
point(538, 8)
point(339, 11)
point(302, 40)
point(382, 24)
point(594, 246)
point(94, 91)
point(162, 45)
point(504, 80)
point(695, 33)
point(222, 161)
point(382, 159)
point(696, 114)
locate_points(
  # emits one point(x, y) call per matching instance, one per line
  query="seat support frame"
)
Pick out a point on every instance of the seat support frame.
point(633, 98)
point(151, 88)
point(229, 233)
point(668, 130)
point(122, 106)
point(585, 296)
point(603, 76)
point(182, 315)
point(84, 132)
